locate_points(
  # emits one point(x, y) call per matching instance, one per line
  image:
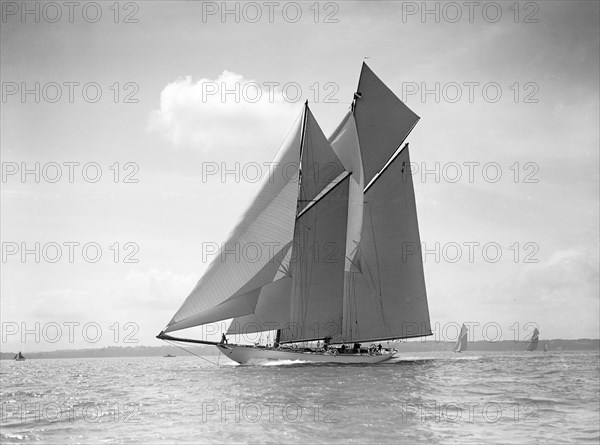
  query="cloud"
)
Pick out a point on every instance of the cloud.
point(229, 115)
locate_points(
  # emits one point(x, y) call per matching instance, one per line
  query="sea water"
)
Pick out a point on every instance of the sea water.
point(473, 397)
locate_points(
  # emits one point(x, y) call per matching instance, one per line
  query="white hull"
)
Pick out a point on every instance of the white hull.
point(246, 355)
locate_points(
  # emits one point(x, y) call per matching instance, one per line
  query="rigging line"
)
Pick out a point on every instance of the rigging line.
point(304, 113)
point(345, 306)
point(311, 236)
point(305, 274)
point(305, 270)
point(386, 323)
point(397, 152)
point(375, 246)
point(354, 276)
point(340, 126)
point(350, 295)
point(190, 352)
point(290, 130)
point(302, 142)
point(310, 163)
point(325, 192)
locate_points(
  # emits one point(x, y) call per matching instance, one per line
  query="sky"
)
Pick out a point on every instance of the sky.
point(127, 152)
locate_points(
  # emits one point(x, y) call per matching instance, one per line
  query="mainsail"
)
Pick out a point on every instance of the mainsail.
point(535, 338)
point(345, 261)
point(385, 296)
point(461, 342)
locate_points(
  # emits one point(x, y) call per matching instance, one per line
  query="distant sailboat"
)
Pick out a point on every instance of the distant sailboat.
point(535, 339)
point(19, 357)
point(545, 346)
point(461, 343)
point(335, 224)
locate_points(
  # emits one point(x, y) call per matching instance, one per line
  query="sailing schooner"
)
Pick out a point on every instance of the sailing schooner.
point(344, 262)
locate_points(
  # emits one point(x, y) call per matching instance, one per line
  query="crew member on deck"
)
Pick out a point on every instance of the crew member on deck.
point(223, 339)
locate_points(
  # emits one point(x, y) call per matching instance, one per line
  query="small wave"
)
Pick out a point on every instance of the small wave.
point(442, 358)
point(553, 371)
point(409, 358)
point(13, 436)
point(230, 363)
point(277, 362)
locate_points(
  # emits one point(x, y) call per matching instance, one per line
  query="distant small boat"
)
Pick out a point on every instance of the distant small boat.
point(169, 355)
point(545, 346)
point(461, 343)
point(535, 339)
point(19, 357)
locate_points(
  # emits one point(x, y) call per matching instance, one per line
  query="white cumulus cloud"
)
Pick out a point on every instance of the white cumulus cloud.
point(227, 116)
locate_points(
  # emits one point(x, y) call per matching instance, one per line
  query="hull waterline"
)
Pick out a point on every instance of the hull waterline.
point(247, 355)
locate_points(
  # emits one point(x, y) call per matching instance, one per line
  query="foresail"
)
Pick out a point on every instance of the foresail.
point(317, 268)
point(263, 231)
point(387, 292)
point(272, 311)
point(383, 122)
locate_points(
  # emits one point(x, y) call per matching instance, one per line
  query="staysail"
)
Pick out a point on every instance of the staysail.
point(264, 231)
point(535, 338)
point(461, 343)
point(385, 296)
